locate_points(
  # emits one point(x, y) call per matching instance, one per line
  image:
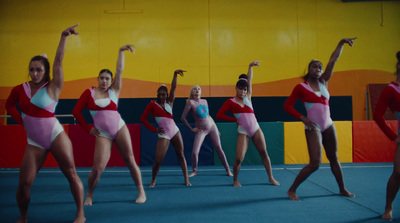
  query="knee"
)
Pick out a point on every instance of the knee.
point(396, 174)
point(97, 171)
point(25, 184)
point(314, 165)
point(238, 161)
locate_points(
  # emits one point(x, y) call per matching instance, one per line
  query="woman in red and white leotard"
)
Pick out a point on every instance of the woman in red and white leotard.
point(108, 126)
point(205, 125)
point(240, 106)
point(319, 127)
point(390, 97)
point(37, 101)
point(167, 130)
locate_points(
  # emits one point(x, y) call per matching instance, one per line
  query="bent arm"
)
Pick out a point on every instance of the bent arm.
point(79, 106)
point(145, 115)
point(11, 102)
point(221, 113)
point(290, 101)
point(381, 106)
point(184, 115)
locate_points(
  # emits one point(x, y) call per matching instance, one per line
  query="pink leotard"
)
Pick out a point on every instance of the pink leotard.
point(37, 114)
point(105, 116)
point(390, 97)
point(199, 110)
point(317, 106)
point(163, 117)
point(245, 115)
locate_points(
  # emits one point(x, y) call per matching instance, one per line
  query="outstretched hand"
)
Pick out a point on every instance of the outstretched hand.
point(70, 30)
point(255, 63)
point(180, 72)
point(128, 47)
point(349, 41)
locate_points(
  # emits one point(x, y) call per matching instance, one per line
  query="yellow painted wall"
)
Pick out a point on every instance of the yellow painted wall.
point(296, 151)
point(213, 39)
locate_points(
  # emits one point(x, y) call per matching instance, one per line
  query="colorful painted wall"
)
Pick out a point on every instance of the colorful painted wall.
point(213, 39)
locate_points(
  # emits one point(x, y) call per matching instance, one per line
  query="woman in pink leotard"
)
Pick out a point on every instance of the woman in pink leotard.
point(240, 106)
point(390, 97)
point(205, 125)
point(167, 130)
point(108, 126)
point(319, 127)
point(37, 101)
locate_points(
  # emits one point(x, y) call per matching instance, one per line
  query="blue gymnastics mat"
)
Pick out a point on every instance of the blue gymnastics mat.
point(211, 198)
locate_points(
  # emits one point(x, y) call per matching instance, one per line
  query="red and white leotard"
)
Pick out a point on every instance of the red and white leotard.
point(390, 97)
point(163, 117)
point(316, 104)
point(245, 115)
point(104, 113)
point(37, 114)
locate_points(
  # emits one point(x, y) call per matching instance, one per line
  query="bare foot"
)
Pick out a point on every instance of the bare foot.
point(274, 182)
point(347, 193)
point(80, 219)
point(153, 183)
point(387, 215)
point(188, 183)
point(293, 196)
point(88, 201)
point(22, 220)
point(236, 184)
point(229, 173)
point(193, 174)
point(141, 199)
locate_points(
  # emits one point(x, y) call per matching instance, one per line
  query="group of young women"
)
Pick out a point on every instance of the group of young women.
point(37, 100)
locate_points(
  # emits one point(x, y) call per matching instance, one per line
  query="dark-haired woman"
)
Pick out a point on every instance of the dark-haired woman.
point(241, 107)
point(167, 130)
point(108, 127)
point(390, 97)
point(319, 128)
point(37, 102)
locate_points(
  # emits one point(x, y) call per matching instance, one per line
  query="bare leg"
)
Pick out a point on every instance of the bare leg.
point(178, 145)
point(124, 145)
point(102, 153)
point(161, 150)
point(393, 185)
point(330, 144)
point(261, 146)
point(314, 143)
point(215, 139)
point(198, 140)
point(241, 149)
point(61, 148)
point(32, 161)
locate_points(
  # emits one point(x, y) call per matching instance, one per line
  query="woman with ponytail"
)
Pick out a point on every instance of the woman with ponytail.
point(167, 130)
point(319, 128)
point(390, 97)
point(241, 107)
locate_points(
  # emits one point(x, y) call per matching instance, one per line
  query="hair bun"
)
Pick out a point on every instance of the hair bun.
point(45, 56)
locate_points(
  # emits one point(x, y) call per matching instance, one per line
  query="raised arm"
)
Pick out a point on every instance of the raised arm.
point(334, 57)
point(250, 76)
point(117, 83)
point(56, 83)
point(171, 97)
